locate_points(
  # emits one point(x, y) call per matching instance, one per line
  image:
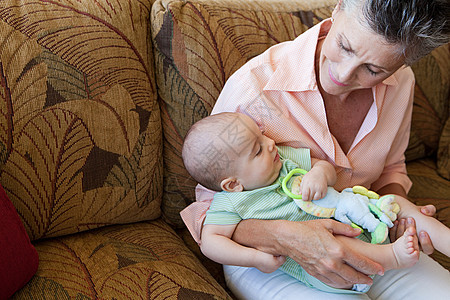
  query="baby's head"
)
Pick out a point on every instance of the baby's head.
point(227, 151)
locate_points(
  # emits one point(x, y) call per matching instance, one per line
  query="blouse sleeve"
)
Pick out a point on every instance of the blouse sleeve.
point(194, 214)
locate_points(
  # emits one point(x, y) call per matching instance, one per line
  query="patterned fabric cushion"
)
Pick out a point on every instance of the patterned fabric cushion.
point(80, 137)
point(215, 269)
point(137, 261)
point(443, 163)
point(198, 45)
point(431, 105)
point(430, 188)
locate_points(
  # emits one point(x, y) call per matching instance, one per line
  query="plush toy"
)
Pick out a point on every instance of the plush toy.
point(355, 206)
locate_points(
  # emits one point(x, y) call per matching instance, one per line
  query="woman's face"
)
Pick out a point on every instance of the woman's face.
point(354, 57)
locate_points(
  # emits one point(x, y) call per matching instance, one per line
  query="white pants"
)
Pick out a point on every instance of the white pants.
point(425, 280)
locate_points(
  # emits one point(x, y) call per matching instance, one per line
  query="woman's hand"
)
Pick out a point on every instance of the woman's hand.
point(424, 239)
point(400, 224)
point(312, 244)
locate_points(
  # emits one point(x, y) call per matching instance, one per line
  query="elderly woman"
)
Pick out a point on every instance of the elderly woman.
point(344, 90)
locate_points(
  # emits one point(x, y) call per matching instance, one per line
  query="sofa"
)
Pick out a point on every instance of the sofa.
point(96, 98)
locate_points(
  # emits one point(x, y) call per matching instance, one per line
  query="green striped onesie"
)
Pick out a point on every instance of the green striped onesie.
point(270, 203)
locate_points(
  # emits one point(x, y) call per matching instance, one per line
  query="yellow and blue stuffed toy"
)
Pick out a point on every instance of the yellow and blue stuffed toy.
point(355, 206)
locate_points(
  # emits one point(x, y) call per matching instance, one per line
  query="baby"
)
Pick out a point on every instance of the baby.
point(228, 152)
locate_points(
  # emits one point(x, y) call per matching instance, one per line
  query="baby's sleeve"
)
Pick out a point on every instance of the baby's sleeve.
point(221, 211)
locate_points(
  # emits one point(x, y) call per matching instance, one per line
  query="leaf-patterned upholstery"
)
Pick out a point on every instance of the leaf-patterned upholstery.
point(80, 119)
point(431, 105)
point(81, 148)
point(96, 97)
point(136, 261)
point(428, 153)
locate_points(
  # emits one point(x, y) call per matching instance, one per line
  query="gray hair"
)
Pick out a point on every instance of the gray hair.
point(417, 26)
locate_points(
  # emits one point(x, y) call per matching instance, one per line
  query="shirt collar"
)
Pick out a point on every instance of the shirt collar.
point(296, 72)
point(391, 80)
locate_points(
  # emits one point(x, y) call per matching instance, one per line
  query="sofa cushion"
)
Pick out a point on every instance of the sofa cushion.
point(431, 105)
point(18, 258)
point(430, 188)
point(145, 260)
point(198, 45)
point(80, 137)
point(443, 156)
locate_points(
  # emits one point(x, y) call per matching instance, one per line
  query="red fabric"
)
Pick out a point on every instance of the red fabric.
point(18, 257)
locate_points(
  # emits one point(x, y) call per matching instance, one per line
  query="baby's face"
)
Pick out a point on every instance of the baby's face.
point(258, 163)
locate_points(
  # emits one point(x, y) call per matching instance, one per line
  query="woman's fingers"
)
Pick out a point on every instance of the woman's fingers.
point(428, 210)
point(338, 266)
point(425, 243)
point(424, 239)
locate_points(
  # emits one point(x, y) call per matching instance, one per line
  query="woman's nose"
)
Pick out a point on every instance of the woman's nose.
point(345, 71)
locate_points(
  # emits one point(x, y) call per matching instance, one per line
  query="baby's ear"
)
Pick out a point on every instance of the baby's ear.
point(231, 184)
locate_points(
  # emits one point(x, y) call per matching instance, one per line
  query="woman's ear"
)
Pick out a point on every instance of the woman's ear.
point(231, 184)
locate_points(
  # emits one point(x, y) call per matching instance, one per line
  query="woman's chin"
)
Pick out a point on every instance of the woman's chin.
point(334, 90)
point(330, 88)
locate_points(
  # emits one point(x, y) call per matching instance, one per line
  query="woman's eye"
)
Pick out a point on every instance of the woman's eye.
point(341, 45)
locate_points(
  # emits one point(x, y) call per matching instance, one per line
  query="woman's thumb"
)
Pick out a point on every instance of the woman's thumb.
point(345, 229)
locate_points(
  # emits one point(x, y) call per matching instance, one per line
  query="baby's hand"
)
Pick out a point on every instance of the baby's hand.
point(268, 263)
point(314, 185)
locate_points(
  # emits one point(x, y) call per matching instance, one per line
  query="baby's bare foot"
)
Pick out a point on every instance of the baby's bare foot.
point(406, 249)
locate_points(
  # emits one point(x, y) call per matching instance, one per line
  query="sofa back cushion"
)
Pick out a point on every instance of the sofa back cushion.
point(80, 137)
point(431, 105)
point(198, 45)
point(443, 163)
